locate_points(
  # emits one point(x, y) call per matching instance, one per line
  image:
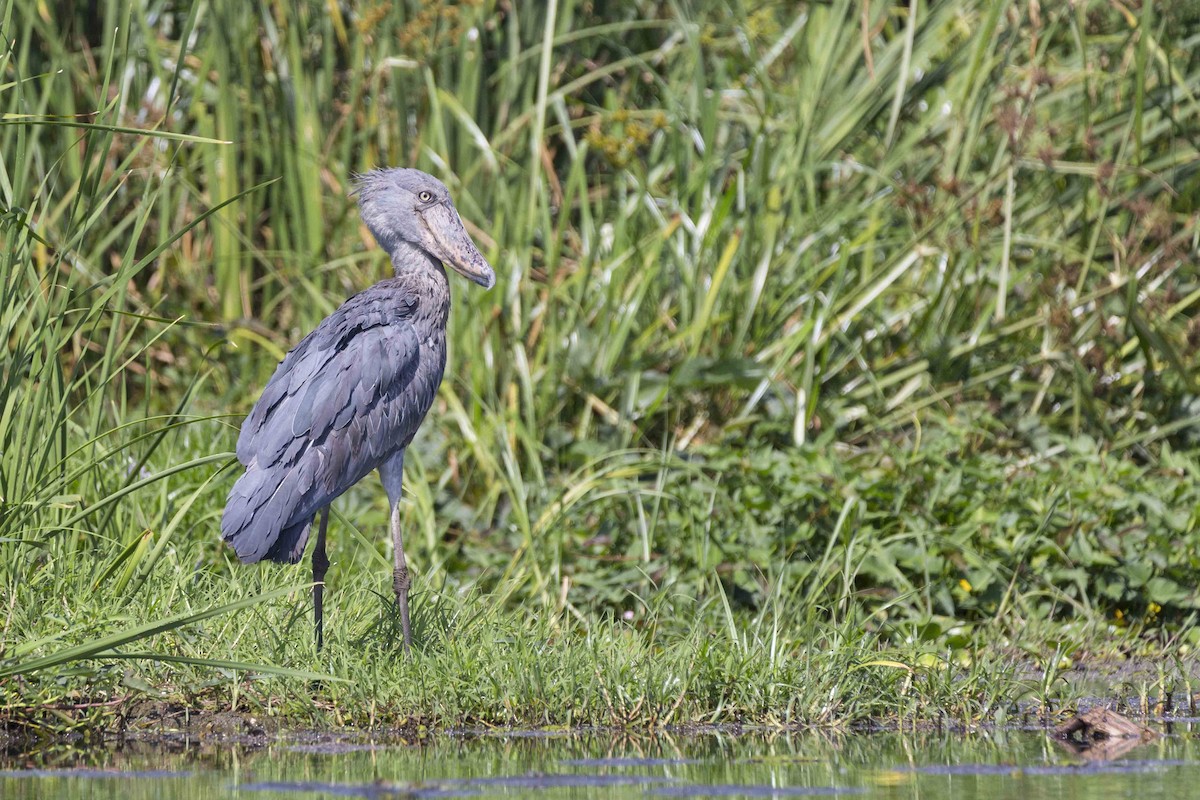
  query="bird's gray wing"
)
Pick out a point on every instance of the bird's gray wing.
point(338, 404)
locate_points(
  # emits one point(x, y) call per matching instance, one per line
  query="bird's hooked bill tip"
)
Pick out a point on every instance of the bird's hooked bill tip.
point(470, 263)
point(461, 254)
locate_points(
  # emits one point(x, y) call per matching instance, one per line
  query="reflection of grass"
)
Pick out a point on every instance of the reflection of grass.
point(829, 378)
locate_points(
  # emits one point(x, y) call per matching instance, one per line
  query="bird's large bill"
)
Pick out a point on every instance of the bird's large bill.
point(459, 251)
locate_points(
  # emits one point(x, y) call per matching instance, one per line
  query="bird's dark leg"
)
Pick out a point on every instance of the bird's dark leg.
point(391, 472)
point(320, 563)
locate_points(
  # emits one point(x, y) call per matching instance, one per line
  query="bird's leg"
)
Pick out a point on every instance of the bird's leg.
point(400, 579)
point(391, 472)
point(320, 563)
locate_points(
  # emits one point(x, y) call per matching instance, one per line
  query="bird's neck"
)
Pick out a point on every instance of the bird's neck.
point(407, 257)
point(423, 275)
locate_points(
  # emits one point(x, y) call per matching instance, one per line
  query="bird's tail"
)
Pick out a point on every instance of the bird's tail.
point(259, 523)
point(289, 547)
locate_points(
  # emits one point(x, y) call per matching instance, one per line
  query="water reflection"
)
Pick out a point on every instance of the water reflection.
point(998, 764)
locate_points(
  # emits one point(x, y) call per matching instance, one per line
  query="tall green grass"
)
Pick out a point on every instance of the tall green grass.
point(813, 318)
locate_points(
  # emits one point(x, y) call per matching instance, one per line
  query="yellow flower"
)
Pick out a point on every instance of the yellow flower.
point(965, 585)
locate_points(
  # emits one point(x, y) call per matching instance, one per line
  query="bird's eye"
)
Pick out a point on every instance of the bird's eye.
point(424, 197)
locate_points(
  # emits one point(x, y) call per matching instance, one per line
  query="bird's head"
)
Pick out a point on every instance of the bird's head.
point(412, 207)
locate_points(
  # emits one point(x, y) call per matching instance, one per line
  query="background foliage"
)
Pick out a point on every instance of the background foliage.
point(810, 318)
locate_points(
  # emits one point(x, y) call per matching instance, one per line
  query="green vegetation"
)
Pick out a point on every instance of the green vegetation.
point(840, 367)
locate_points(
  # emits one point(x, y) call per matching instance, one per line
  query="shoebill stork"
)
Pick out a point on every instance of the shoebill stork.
point(349, 398)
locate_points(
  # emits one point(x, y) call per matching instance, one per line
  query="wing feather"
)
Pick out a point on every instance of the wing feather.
point(344, 399)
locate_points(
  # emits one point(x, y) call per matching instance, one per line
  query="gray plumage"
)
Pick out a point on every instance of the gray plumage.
point(348, 396)
point(351, 395)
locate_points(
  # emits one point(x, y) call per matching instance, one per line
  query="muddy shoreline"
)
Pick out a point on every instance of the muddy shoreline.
point(1118, 684)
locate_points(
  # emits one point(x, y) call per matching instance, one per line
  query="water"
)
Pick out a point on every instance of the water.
point(995, 765)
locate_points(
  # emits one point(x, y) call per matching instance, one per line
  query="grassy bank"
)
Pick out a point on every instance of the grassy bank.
point(840, 368)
